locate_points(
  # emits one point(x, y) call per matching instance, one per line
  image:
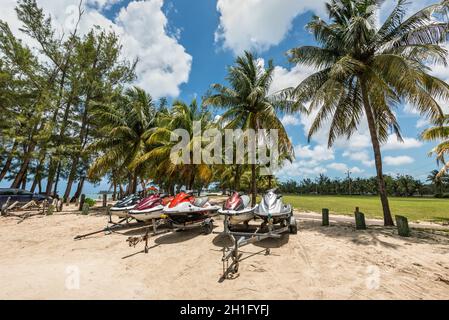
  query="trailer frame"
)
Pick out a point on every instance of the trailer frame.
point(232, 258)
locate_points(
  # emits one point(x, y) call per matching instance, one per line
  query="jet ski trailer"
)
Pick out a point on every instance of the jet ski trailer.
point(278, 220)
point(124, 210)
point(237, 210)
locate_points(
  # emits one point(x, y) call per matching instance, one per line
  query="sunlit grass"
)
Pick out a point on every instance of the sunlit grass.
point(422, 209)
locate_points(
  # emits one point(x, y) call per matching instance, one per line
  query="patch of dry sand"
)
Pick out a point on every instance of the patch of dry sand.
point(38, 258)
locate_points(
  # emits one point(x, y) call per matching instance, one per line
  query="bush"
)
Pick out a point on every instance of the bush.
point(90, 202)
point(442, 196)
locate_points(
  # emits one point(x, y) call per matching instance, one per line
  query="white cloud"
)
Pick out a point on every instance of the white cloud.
point(284, 78)
point(398, 161)
point(318, 153)
point(289, 120)
point(394, 144)
point(338, 167)
point(142, 26)
point(259, 24)
point(342, 167)
point(421, 123)
point(361, 156)
point(300, 169)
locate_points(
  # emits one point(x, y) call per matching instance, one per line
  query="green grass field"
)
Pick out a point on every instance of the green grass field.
point(423, 209)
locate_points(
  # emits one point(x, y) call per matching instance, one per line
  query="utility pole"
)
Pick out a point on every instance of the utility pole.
point(349, 182)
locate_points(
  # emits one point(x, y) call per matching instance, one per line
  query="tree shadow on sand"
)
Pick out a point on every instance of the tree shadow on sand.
point(179, 236)
point(376, 235)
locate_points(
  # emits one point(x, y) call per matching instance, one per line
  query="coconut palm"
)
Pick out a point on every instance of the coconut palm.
point(366, 71)
point(128, 123)
point(159, 146)
point(439, 133)
point(437, 180)
point(248, 103)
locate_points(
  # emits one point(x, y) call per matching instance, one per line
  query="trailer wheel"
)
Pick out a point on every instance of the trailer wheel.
point(293, 226)
point(208, 228)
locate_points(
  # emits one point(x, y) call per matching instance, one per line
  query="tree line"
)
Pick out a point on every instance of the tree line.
point(398, 186)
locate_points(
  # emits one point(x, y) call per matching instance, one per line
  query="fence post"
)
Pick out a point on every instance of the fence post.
point(85, 209)
point(83, 198)
point(403, 228)
point(360, 223)
point(105, 200)
point(325, 217)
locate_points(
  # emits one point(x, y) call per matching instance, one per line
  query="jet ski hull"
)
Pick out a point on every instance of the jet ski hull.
point(146, 215)
point(237, 217)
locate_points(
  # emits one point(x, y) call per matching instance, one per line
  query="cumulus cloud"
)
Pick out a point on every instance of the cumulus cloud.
point(142, 26)
point(398, 161)
point(394, 144)
point(317, 153)
point(289, 120)
point(361, 156)
point(300, 169)
point(342, 167)
point(259, 24)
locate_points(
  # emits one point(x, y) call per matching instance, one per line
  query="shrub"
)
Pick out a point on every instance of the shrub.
point(90, 202)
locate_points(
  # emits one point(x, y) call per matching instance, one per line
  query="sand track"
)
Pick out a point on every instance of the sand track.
point(38, 258)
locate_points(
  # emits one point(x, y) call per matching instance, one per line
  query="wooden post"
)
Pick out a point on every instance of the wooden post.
point(403, 228)
point(325, 217)
point(105, 200)
point(83, 198)
point(85, 209)
point(60, 205)
point(50, 210)
point(44, 206)
point(360, 223)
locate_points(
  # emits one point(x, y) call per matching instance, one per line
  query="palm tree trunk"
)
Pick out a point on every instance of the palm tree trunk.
point(71, 178)
point(135, 182)
point(51, 176)
point(79, 189)
point(388, 220)
point(58, 174)
point(24, 179)
point(8, 161)
point(34, 185)
point(237, 178)
point(253, 185)
point(24, 167)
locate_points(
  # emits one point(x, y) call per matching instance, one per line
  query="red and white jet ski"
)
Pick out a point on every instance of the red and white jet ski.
point(237, 209)
point(150, 208)
point(186, 211)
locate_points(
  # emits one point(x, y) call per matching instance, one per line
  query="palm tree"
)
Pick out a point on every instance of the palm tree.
point(128, 123)
point(159, 146)
point(438, 180)
point(439, 133)
point(366, 71)
point(248, 103)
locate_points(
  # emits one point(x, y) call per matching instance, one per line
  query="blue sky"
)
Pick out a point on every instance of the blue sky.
point(184, 46)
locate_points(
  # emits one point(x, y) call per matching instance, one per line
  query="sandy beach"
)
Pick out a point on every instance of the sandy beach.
point(39, 259)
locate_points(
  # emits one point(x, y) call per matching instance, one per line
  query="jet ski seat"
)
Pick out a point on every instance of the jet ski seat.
point(200, 202)
point(246, 200)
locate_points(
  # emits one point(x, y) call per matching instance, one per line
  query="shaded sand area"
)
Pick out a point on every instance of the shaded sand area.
point(40, 260)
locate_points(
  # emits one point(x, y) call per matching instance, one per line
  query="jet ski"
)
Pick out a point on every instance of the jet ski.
point(150, 208)
point(121, 208)
point(186, 211)
point(237, 209)
point(273, 211)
